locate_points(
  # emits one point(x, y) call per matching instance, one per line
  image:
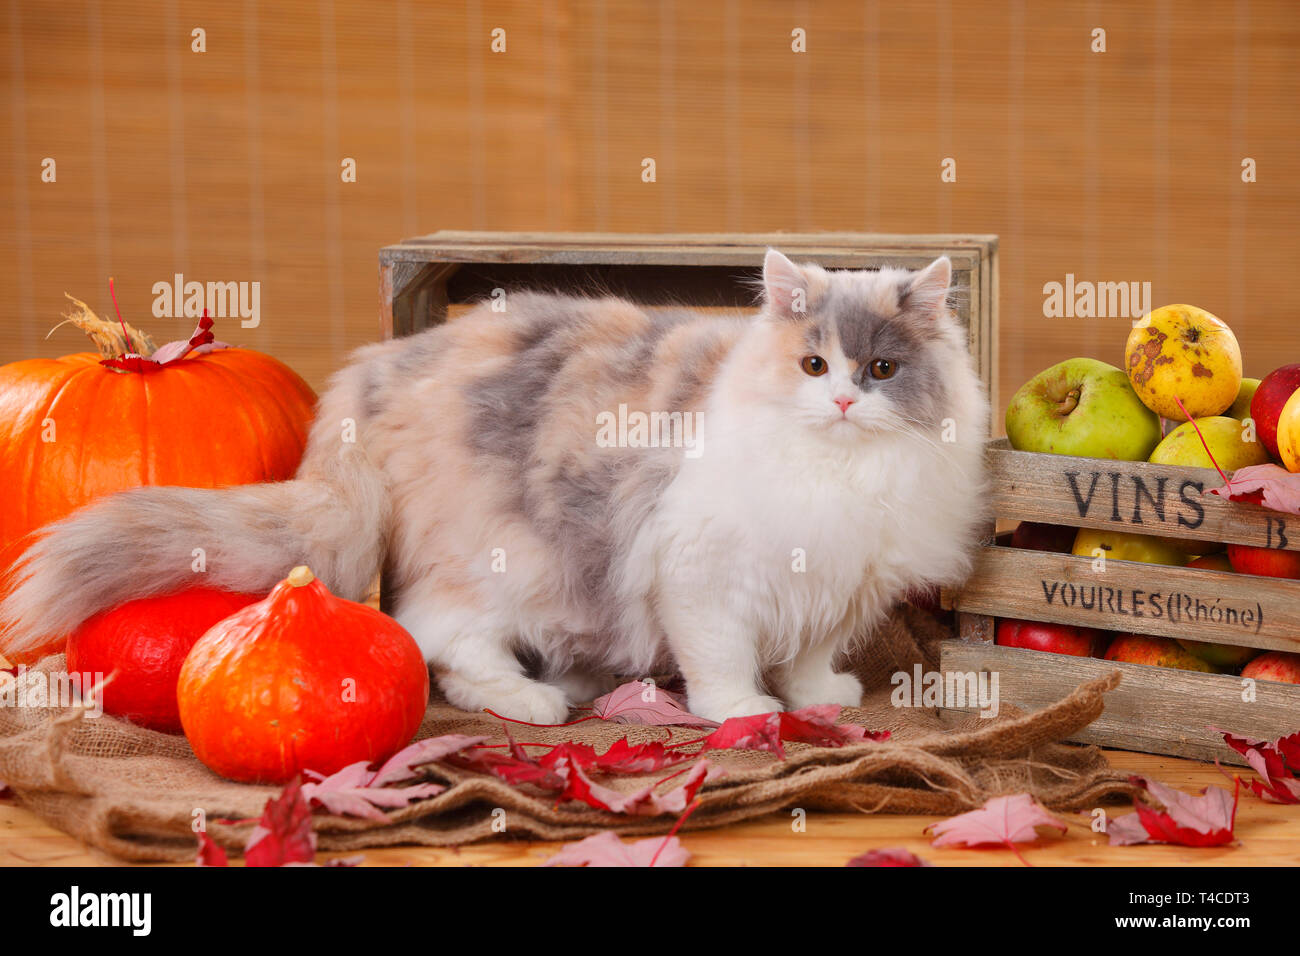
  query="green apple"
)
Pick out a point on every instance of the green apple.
point(1232, 445)
point(1082, 407)
point(1241, 407)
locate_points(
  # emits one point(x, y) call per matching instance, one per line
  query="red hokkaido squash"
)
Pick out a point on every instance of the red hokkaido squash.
point(143, 644)
point(73, 429)
point(302, 680)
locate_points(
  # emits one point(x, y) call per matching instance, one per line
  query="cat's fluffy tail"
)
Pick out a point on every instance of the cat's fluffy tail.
point(149, 541)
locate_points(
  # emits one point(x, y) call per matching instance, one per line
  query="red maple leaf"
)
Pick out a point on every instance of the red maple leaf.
point(284, 834)
point(1268, 485)
point(812, 725)
point(200, 342)
point(550, 771)
point(1204, 820)
point(606, 849)
point(643, 802)
point(1002, 820)
point(351, 792)
point(358, 791)
point(402, 765)
point(894, 856)
point(642, 702)
point(210, 854)
point(1275, 760)
point(620, 757)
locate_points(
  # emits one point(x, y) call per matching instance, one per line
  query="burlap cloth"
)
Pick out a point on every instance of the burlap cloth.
point(134, 792)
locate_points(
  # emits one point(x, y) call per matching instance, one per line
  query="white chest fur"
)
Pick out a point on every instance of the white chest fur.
point(816, 533)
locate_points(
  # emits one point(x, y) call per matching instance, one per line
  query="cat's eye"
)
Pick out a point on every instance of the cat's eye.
point(813, 365)
point(882, 368)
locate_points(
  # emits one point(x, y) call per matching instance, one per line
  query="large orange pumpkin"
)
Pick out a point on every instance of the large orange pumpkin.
point(72, 429)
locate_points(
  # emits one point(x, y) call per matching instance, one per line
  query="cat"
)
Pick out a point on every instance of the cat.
point(804, 467)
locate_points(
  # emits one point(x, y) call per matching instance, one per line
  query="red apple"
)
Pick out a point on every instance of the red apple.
point(1268, 562)
point(1156, 651)
point(1275, 666)
point(1057, 638)
point(1037, 536)
point(1225, 656)
point(1212, 562)
point(1266, 407)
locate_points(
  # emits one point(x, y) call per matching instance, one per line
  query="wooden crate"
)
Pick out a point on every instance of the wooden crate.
point(1155, 709)
point(423, 280)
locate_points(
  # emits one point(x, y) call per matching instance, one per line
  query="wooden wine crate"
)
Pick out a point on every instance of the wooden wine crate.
point(1154, 709)
point(423, 281)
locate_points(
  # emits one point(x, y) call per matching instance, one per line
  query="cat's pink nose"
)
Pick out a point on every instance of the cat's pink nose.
point(844, 404)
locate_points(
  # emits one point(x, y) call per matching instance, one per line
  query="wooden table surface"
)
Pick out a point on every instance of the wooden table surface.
point(1268, 835)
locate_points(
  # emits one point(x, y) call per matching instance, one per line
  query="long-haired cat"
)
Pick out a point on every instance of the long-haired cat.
point(578, 487)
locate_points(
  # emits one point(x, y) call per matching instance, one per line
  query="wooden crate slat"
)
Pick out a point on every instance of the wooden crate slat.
point(1154, 709)
point(842, 250)
point(1130, 496)
point(1009, 582)
point(423, 278)
point(908, 257)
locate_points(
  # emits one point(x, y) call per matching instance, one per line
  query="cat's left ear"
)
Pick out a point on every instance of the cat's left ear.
point(927, 291)
point(785, 285)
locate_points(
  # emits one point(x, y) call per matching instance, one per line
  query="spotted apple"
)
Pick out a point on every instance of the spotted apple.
point(1184, 353)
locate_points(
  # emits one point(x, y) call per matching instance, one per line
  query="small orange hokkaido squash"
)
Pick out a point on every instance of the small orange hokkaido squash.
point(302, 680)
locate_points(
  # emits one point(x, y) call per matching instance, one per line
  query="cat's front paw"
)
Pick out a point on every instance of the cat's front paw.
point(829, 688)
point(746, 706)
point(515, 697)
point(537, 703)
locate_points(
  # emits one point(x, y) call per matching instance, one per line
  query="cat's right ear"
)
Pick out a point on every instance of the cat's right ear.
point(785, 286)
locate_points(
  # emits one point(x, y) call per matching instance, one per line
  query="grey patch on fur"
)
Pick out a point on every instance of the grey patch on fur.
point(574, 511)
point(416, 355)
point(917, 388)
point(506, 406)
point(372, 394)
point(697, 370)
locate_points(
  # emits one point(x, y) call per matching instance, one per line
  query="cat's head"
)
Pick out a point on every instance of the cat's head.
point(854, 352)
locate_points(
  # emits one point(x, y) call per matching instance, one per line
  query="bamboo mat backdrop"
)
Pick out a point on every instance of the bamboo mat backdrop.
point(225, 165)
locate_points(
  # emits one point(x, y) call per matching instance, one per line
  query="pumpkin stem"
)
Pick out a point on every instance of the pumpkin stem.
point(301, 576)
point(112, 340)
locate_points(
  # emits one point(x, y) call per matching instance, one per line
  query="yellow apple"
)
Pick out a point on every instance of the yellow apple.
point(1231, 444)
point(1128, 546)
point(1288, 433)
point(1183, 351)
point(1241, 407)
